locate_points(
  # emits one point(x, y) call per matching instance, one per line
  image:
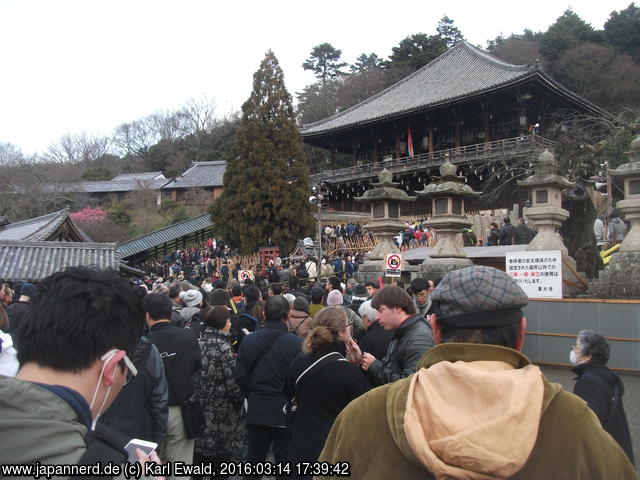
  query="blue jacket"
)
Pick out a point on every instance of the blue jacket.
point(262, 379)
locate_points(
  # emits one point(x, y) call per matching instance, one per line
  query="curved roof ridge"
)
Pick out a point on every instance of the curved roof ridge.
point(451, 52)
point(209, 162)
point(387, 89)
point(487, 56)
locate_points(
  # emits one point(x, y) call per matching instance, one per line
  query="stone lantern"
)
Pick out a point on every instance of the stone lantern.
point(621, 279)
point(385, 198)
point(630, 206)
point(447, 195)
point(546, 211)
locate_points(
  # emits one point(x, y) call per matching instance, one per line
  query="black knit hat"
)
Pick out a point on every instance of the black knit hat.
point(219, 296)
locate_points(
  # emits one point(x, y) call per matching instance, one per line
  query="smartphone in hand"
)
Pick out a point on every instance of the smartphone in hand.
point(147, 447)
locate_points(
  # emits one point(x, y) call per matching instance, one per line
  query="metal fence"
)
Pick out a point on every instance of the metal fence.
point(553, 325)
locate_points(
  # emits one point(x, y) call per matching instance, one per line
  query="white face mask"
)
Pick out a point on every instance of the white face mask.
point(573, 358)
point(105, 359)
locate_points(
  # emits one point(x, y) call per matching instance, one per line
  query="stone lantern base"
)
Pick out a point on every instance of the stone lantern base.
point(621, 279)
point(631, 210)
point(436, 268)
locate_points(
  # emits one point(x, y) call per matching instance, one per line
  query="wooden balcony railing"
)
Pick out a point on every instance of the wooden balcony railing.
point(463, 155)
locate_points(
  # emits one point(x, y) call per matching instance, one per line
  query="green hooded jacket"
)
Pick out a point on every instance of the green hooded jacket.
point(530, 429)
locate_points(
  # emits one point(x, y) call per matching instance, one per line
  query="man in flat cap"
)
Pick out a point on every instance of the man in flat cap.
point(476, 408)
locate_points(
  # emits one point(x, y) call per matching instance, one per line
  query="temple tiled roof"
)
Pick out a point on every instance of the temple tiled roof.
point(40, 228)
point(33, 261)
point(168, 234)
point(463, 71)
point(201, 174)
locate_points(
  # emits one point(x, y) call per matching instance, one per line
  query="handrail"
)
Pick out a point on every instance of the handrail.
point(454, 155)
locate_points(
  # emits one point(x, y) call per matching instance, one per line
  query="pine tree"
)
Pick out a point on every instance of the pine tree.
point(324, 62)
point(266, 183)
point(449, 33)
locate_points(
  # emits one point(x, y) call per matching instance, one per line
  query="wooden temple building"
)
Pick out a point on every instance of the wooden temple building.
point(465, 106)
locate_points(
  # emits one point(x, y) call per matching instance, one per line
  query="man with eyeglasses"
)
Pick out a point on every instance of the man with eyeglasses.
point(73, 349)
point(421, 288)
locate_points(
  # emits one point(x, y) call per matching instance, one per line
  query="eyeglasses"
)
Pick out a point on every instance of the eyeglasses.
point(125, 363)
point(132, 371)
point(348, 324)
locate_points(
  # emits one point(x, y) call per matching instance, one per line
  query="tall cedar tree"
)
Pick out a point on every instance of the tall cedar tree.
point(266, 183)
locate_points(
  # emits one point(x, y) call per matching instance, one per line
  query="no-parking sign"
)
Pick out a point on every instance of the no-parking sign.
point(244, 274)
point(393, 264)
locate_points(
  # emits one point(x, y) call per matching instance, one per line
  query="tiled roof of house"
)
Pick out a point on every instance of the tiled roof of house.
point(139, 176)
point(168, 234)
point(33, 261)
point(40, 228)
point(201, 174)
point(462, 71)
point(127, 182)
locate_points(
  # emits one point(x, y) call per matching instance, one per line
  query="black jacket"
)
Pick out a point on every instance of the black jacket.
point(16, 311)
point(141, 409)
point(376, 340)
point(319, 402)
point(524, 234)
point(180, 355)
point(261, 377)
point(595, 385)
point(507, 234)
point(408, 344)
point(494, 237)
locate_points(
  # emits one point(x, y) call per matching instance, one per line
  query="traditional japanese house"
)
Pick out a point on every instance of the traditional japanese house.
point(116, 189)
point(199, 185)
point(465, 106)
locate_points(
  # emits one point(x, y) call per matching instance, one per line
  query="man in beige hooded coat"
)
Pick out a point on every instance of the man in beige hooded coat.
point(476, 408)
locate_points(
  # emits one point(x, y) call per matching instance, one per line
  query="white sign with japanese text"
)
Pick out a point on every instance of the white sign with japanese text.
point(538, 273)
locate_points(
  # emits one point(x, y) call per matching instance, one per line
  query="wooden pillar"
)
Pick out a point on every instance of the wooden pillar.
point(354, 159)
point(430, 138)
point(374, 151)
point(333, 159)
point(397, 152)
point(457, 134)
point(487, 128)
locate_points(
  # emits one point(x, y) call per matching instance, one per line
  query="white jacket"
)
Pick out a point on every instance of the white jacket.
point(8, 357)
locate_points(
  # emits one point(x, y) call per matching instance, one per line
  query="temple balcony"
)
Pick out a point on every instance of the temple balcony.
point(481, 153)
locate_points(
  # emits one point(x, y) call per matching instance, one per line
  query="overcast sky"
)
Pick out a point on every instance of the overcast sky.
point(90, 65)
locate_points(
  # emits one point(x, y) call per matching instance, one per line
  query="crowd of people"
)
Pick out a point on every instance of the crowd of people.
point(417, 381)
point(417, 234)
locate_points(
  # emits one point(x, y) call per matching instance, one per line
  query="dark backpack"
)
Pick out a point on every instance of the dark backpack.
point(104, 445)
point(252, 318)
